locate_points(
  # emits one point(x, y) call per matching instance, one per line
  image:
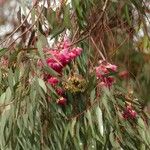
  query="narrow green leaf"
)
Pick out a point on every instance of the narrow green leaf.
point(42, 84)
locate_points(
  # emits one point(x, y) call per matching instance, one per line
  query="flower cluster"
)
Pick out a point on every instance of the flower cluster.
point(58, 59)
point(129, 113)
point(62, 56)
point(103, 73)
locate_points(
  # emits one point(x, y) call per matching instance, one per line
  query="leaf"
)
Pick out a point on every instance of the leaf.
point(11, 79)
point(127, 14)
point(105, 103)
point(92, 95)
point(66, 134)
point(40, 91)
point(100, 120)
point(57, 31)
point(2, 98)
point(8, 94)
point(51, 89)
point(3, 51)
point(67, 16)
point(50, 71)
point(89, 117)
point(42, 84)
point(72, 127)
point(113, 141)
point(141, 123)
point(0, 76)
point(40, 50)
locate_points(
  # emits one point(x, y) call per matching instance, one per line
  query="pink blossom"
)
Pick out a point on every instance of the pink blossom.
point(77, 51)
point(62, 101)
point(60, 91)
point(107, 65)
point(108, 81)
point(53, 81)
point(61, 56)
point(64, 44)
point(129, 113)
point(59, 59)
point(64, 59)
point(50, 60)
point(112, 67)
point(72, 55)
point(56, 66)
point(102, 84)
point(103, 71)
point(124, 74)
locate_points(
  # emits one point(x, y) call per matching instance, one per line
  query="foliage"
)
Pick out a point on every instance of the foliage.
point(87, 114)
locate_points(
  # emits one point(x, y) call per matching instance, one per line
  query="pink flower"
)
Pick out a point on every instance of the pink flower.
point(64, 59)
point(103, 71)
point(62, 101)
point(129, 113)
point(108, 65)
point(77, 51)
point(102, 84)
point(124, 74)
point(72, 55)
point(60, 91)
point(112, 67)
point(50, 60)
point(60, 59)
point(61, 56)
point(53, 81)
point(64, 44)
point(108, 81)
point(56, 66)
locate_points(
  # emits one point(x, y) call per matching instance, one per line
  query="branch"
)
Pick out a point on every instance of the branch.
point(93, 27)
point(98, 49)
point(29, 27)
point(6, 39)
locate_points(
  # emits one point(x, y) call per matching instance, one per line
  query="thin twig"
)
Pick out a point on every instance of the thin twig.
point(6, 39)
point(103, 47)
point(29, 27)
point(101, 54)
point(93, 27)
point(76, 32)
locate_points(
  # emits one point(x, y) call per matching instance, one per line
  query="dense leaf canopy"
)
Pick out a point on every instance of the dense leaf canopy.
point(75, 75)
